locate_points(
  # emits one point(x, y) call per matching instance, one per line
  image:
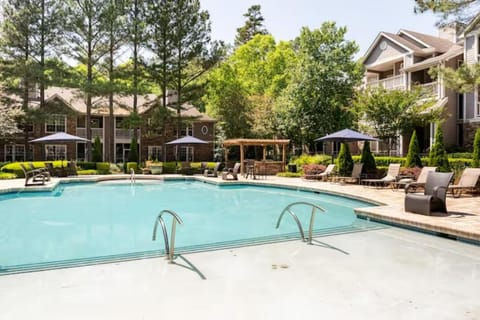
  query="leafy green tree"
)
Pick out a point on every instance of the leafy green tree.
point(367, 159)
point(344, 160)
point(8, 120)
point(464, 79)
point(133, 155)
point(413, 155)
point(97, 150)
point(394, 112)
point(323, 83)
point(227, 101)
point(476, 150)
point(253, 26)
point(438, 155)
point(457, 10)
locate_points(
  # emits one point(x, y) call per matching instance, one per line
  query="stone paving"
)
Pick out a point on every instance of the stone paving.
point(462, 220)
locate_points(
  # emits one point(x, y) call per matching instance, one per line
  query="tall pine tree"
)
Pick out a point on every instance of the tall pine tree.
point(253, 26)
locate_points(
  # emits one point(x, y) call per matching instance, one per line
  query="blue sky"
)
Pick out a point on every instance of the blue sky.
point(284, 18)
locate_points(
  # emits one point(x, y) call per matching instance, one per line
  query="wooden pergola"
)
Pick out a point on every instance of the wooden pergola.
point(256, 142)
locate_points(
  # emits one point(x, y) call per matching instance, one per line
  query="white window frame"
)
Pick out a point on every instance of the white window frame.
point(155, 152)
point(185, 153)
point(54, 120)
point(15, 153)
point(186, 130)
point(56, 151)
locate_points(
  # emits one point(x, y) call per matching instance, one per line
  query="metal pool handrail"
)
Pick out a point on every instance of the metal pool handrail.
point(312, 218)
point(169, 250)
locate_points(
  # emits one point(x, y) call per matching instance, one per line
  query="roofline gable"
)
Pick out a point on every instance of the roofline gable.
point(59, 97)
point(377, 40)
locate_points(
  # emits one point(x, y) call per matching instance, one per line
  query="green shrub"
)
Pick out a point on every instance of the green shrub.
point(367, 159)
point(97, 150)
point(476, 149)
point(344, 161)
point(413, 156)
point(132, 165)
point(169, 167)
point(289, 174)
point(86, 165)
point(86, 172)
point(308, 159)
point(103, 167)
point(7, 176)
point(133, 154)
point(438, 154)
point(467, 155)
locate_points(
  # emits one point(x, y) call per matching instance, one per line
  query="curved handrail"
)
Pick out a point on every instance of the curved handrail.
point(312, 218)
point(169, 250)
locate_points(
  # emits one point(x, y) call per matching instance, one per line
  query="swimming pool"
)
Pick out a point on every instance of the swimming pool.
point(81, 224)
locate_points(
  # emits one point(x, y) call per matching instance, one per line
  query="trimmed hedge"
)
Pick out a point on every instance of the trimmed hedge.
point(289, 174)
point(132, 165)
point(103, 167)
point(86, 172)
point(86, 165)
point(7, 176)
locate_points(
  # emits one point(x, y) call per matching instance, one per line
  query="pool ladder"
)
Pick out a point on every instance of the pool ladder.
point(132, 176)
point(169, 249)
point(312, 218)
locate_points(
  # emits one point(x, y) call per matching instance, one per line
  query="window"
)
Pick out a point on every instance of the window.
point(81, 121)
point(460, 106)
point(186, 130)
point(155, 153)
point(56, 151)
point(96, 122)
point(56, 123)
point(15, 152)
point(185, 154)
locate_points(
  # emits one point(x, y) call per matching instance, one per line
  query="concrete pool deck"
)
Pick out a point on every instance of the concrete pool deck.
point(387, 273)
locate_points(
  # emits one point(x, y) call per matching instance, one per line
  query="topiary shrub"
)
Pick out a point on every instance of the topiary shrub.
point(133, 154)
point(438, 155)
point(367, 159)
point(103, 167)
point(97, 150)
point(476, 150)
point(413, 155)
point(344, 161)
point(132, 165)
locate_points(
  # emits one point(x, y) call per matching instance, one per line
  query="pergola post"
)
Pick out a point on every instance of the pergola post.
point(264, 153)
point(284, 156)
point(242, 156)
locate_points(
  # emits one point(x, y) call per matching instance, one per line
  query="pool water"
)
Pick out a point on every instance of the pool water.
point(89, 223)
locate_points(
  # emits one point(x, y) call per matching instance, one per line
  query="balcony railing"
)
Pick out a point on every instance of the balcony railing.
point(82, 132)
point(126, 134)
point(391, 83)
point(430, 88)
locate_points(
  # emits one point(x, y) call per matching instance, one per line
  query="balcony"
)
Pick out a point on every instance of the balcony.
point(430, 88)
point(82, 132)
point(392, 83)
point(123, 134)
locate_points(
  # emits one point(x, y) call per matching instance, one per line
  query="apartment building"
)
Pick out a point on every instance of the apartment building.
point(402, 60)
point(66, 112)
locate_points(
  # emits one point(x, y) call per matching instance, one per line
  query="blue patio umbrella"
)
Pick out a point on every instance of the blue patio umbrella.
point(59, 137)
point(185, 141)
point(346, 135)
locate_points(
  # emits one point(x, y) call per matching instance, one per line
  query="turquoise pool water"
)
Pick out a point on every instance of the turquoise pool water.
point(89, 223)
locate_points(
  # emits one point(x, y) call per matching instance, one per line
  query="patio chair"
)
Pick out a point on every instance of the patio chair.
point(354, 178)
point(389, 179)
point(433, 198)
point(43, 170)
point(32, 177)
point(214, 172)
point(421, 180)
point(231, 172)
point(325, 175)
point(468, 182)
